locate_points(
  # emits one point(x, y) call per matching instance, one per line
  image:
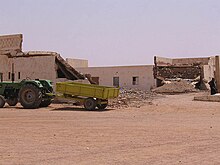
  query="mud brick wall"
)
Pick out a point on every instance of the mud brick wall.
point(10, 43)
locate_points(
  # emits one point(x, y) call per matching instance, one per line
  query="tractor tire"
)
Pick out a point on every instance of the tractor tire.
point(12, 101)
point(90, 104)
point(102, 106)
point(30, 96)
point(45, 103)
point(2, 101)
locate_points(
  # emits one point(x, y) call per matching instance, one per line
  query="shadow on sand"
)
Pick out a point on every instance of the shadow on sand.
point(70, 108)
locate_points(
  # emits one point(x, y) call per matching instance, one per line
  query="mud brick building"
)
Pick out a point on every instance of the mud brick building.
point(205, 68)
point(50, 65)
point(33, 64)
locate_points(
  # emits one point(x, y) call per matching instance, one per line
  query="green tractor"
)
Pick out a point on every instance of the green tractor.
point(30, 93)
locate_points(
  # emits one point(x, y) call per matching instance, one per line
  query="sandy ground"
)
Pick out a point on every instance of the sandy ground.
point(173, 130)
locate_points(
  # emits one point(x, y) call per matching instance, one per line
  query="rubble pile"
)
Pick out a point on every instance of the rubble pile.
point(184, 72)
point(132, 98)
point(175, 87)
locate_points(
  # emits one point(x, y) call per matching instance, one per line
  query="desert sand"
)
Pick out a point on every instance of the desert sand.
point(174, 129)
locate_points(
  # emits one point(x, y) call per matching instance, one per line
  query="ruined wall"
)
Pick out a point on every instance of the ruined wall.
point(182, 61)
point(77, 63)
point(162, 61)
point(33, 64)
point(35, 67)
point(208, 72)
point(32, 67)
point(209, 69)
point(125, 74)
point(11, 44)
point(186, 68)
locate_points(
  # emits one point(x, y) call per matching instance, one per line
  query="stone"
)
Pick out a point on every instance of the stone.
point(132, 98)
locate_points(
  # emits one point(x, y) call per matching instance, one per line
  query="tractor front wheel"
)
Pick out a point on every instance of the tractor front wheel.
point(12, 101)
point(90, 104)
point(30, 96)
point(2, 101)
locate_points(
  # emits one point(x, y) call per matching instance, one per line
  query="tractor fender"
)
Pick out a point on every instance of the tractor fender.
point(34, 82)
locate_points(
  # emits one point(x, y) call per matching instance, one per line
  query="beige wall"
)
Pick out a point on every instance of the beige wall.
point(77, 63)
point(32, 67)
point(125, 74)
point(4, 63)
point(35, 67)
point(209, 69)
point(208, 73)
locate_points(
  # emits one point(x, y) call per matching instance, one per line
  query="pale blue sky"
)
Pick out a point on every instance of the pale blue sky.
point(115, 32)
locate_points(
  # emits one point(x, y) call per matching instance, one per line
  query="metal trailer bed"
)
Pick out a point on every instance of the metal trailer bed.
point(90, 95)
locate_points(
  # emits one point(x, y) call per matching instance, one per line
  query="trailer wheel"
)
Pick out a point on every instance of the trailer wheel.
point(45, 103)
point(90, 104)
point(12, 101)
point(30, 96)
point(102, 106)
point(2, 101)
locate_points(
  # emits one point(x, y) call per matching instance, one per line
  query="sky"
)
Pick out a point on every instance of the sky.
point(115, 32)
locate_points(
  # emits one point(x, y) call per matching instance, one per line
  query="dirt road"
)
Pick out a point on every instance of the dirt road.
point(173, 130)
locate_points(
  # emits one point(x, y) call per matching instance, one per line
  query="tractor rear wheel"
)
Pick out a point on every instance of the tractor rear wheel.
point(90, 104)
point(30, 96)
point(2, 101)
point(45, 103)
point(12, 101)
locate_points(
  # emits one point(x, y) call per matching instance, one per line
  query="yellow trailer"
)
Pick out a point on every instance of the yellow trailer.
point(90, 95)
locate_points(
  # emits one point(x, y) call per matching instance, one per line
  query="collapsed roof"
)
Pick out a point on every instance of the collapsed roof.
point(11, 46)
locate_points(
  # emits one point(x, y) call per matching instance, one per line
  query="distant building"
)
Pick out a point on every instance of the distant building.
point(139, 77)
point(77, 63)
point(145, 77)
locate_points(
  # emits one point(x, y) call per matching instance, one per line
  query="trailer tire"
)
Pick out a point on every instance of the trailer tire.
point(102, 106)
point(90, 104)
point(45, 103)
point(30, 96)
point(12, 101)
point(2, 101)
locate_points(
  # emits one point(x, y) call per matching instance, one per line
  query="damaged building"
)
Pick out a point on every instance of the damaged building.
point(33, 64)
point(136, 77)
point(50, 65)
point(197, 71)
point(200, 70)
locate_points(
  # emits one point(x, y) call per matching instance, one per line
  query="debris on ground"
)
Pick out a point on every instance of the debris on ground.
point(132, 98)
point(174, 87)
